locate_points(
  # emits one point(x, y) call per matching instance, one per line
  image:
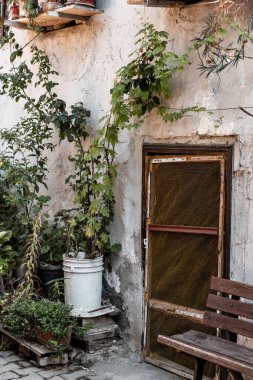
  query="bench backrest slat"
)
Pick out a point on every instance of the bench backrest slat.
point(226, 310)
point(231, 287)
point(225, 322)
point(231, 306)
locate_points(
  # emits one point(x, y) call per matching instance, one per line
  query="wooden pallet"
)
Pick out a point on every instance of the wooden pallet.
point(33, 350)
point(101, 334)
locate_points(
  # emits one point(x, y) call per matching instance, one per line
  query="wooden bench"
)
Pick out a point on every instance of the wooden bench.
point(223, 309)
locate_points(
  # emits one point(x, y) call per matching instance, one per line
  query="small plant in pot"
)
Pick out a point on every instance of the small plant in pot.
point(82, 268)
point(49, 322)
point(52, 247)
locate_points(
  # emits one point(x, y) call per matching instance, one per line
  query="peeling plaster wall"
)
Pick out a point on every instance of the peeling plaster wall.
point(87, 57)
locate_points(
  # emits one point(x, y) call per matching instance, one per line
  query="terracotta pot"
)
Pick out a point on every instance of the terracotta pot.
point(43, 338)
point(14, 11)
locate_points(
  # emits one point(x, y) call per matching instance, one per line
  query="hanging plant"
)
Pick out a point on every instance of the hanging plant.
point(216, 52)
point(145, 82)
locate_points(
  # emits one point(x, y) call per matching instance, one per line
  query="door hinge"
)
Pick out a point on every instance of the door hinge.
point(145, 242)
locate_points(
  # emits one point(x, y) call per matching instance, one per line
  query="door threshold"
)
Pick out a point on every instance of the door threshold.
point(168, 365)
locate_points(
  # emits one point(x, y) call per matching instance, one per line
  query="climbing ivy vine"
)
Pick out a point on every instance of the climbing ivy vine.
point(141, 86)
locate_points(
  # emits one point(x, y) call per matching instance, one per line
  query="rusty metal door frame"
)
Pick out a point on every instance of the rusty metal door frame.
point(160, 154)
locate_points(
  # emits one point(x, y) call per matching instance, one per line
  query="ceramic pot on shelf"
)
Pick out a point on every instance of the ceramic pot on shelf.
point(14, 11)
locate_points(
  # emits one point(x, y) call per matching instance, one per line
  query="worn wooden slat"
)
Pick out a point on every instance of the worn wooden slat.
point(225, 322)
point(231, 287)
point(79, 10)
point(168, 365)
point(215, 350)
point(227, 305)
point(170, 308)
point(135, 2)
point(33, 346)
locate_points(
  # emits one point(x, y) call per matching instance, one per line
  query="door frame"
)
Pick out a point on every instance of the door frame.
point(150, 150)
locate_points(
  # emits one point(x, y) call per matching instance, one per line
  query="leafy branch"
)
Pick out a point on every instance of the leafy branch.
point(215, 54)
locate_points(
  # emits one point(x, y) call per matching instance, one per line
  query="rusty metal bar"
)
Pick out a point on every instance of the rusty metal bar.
point(213, 231)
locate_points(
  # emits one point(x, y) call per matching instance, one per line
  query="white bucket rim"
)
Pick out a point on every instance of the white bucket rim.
point(73, 259)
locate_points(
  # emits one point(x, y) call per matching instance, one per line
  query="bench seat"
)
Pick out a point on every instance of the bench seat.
point(215, 350)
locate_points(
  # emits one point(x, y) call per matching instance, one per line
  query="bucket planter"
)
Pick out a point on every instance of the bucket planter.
point(83, 283)
point(48, 273)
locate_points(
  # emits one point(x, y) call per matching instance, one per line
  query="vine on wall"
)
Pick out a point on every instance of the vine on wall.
point(141, 86)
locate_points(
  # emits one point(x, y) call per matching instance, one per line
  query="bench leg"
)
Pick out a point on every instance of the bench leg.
point(199, 368)
point(236, 375)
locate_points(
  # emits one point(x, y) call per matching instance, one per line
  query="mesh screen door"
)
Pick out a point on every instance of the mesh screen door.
point(184, 247)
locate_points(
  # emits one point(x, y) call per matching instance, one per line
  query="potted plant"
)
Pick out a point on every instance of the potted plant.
point(82, 267)
point(52, 246)
point(49, 322)
point(87, 226)
point(14, 10)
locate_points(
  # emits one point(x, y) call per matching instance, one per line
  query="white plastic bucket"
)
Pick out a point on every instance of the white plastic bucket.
point(83, 283)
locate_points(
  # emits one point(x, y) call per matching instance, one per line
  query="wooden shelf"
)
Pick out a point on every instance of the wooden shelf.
point(135, 2)
point(57, 18)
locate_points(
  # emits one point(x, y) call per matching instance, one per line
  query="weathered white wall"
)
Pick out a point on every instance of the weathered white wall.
point(87, 57)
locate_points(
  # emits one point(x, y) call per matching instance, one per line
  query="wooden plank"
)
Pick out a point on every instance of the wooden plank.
point(227, 305)
point(135, 2)
point(221, 346)
point(224, 347)
point(170, 308)
point(170, 366)
point(72, 17)
point(96, 345)
point(225, 322)
point(231, 287)
point(15, 24)
point(217, 354)
point(44, 355)
point(187, 158)
point(80, 10)
point(37, 348)
point(44, 19)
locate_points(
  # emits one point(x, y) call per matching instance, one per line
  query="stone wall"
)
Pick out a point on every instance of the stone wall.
point(87, 57)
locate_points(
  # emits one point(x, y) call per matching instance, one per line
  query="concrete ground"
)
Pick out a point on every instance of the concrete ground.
point(14, 367)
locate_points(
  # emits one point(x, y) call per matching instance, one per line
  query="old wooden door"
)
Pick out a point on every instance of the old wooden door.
point(185, 202)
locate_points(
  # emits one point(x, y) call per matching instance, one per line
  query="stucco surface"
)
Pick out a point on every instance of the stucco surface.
point(87, 57)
